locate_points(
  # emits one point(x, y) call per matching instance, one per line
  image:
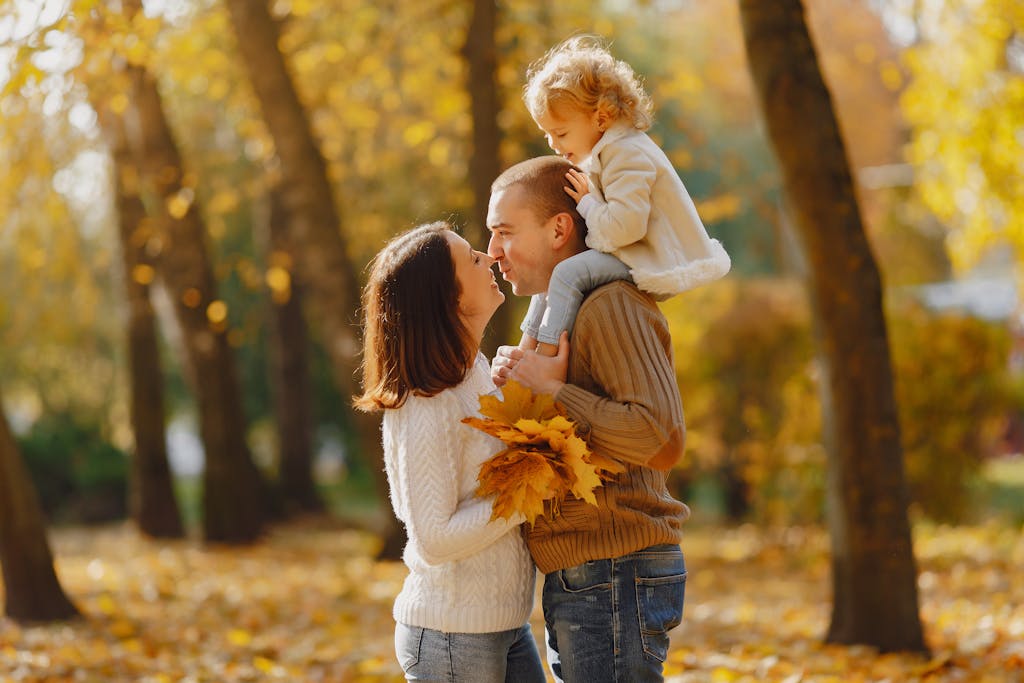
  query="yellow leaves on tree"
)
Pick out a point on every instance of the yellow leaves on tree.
point(544, 460)
point(965, 107)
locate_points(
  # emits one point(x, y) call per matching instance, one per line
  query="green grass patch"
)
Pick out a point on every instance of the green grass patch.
point(999, 491)
point(353, 498)
point(189, 492)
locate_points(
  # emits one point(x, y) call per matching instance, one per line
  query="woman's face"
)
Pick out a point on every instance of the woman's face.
point(479, 295)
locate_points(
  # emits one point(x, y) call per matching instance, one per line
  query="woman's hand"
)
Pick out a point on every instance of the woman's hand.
point(504, 360)
point(541, 374)
point(579, 182)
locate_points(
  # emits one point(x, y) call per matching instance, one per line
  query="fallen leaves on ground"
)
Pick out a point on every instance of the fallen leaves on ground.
point(308, 604)
point(758, 604)
point(544, 460)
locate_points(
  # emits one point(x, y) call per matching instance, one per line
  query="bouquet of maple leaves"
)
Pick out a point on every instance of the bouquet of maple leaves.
point(544, 460)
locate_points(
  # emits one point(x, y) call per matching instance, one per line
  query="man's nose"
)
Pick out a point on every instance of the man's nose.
point(493, 250)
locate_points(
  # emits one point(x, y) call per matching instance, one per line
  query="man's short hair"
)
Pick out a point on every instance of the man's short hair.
point(544, 182)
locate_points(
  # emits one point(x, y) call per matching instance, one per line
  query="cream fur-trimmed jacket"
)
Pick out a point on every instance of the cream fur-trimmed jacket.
point(639, 211)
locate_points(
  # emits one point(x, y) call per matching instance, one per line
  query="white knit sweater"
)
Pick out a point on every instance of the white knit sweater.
point(466, 574)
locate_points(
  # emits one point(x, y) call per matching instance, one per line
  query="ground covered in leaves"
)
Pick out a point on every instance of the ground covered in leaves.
point(308, 604)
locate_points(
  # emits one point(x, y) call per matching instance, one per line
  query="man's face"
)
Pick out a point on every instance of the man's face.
point(521, 244)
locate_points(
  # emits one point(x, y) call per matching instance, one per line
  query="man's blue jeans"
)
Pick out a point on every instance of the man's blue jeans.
point(608, 620)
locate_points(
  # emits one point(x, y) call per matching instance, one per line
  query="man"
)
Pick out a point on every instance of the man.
point(614, 574)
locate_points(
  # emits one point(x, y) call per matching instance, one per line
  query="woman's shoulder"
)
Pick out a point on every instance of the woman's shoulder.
point(477, 381)
point(419, 407)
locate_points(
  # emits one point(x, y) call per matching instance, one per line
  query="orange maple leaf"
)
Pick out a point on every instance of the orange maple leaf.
point(544, 461)
point(519, 481)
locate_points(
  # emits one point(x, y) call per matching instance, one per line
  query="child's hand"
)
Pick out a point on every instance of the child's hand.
point(579, 182)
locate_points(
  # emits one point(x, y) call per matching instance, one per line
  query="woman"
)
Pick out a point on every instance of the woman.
point(463, 610)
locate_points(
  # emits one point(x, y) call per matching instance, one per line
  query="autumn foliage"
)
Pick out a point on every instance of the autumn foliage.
point(544, 460)
point(309, 604)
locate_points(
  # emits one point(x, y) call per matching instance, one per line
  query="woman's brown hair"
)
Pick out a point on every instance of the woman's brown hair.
point(414, 341)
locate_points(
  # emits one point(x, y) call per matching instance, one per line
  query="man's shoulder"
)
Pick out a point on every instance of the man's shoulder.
point(619, 315)
point(618, 293)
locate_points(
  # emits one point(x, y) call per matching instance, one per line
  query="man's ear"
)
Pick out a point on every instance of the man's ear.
point(565, 230)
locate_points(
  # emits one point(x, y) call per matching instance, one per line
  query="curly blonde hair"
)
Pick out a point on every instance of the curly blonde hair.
point(582, 73)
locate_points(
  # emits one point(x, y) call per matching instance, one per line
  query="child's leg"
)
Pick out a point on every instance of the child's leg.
point(570, 281)
point(531, 323)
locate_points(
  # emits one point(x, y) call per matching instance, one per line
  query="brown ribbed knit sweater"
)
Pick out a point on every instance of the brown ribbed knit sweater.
point(621, 390)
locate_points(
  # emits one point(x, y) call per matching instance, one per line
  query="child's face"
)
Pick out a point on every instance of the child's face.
point(571, 132)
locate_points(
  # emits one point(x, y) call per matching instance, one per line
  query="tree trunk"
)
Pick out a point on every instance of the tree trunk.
point(233, 508)
point(289, 373)
point(873, 569)
point(481, 55)
point(31, 588)
point(314, 223)
point(736, 489)
point(152, 502)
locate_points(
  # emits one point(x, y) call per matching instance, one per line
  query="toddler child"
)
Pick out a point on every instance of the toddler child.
point(641, 222)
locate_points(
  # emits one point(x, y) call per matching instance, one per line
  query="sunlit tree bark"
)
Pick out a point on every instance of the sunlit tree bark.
point(152, 502)
point(152, 499)
point(314, 223)
point(873, 568)
point(481, 56)
point(232, 508)
point(233, 505)
point(289, 371)
point(31, 588)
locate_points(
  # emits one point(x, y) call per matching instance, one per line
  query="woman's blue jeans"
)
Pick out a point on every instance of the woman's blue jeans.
point(608, 620)
point(501, 657)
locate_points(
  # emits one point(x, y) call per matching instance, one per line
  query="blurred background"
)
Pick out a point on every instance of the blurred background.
point(930, 98)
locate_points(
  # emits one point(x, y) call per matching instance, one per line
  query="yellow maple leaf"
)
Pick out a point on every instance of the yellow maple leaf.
point(518, 402)
point(507, 408)
point(575, 446)
point(561, 423)
point(530, 427)
point(584, 477)
point(555, 439)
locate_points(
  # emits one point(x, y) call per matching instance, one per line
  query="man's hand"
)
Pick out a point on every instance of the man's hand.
point(579, 182)
point(541, 374)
